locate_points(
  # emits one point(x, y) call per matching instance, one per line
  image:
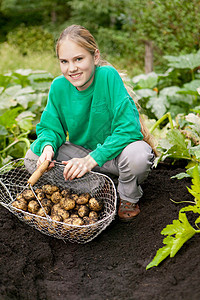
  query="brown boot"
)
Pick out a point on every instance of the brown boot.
point(127, 210)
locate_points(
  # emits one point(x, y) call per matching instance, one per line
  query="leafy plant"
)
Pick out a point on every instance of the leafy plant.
point(174, 91)
point(180, 231)
point(23, 95)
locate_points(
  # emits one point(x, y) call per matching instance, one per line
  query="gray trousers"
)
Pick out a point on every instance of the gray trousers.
point(131, 166)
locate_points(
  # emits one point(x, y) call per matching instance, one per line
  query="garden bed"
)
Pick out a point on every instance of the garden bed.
point(113, 265)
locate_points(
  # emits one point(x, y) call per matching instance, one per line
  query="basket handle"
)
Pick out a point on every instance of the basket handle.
point(39, 172)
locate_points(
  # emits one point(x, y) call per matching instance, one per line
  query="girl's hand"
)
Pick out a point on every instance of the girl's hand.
point(77, 167)
point(47, 154)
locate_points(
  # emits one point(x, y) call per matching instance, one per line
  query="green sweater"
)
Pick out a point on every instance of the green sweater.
point(102, 118)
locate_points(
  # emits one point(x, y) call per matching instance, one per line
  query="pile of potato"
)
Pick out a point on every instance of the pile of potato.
point(62, 205)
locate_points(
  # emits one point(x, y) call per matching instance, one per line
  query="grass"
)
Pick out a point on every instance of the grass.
point(12, 59)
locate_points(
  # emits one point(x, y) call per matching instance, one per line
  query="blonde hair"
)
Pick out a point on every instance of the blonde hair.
point(81, 36)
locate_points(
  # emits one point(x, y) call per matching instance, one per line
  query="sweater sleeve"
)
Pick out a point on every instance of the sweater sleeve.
point(50, 130)
point(125, 124)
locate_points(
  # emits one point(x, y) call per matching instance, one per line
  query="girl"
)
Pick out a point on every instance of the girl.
point(90, 103)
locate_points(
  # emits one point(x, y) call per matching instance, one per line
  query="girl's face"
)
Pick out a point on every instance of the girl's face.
point(77, 64)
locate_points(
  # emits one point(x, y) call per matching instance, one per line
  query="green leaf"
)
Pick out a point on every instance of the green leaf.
point(180, 176)
point(146, 81)
point(184, 232)
point(161, 254)
point(3, 130)
point(188, 61)
point(24, 120)
point(158, 105)
point(145, 93)
point(8, 118)
point(192, 85)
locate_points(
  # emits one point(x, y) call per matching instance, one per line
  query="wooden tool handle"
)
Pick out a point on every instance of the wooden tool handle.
point(38, 173)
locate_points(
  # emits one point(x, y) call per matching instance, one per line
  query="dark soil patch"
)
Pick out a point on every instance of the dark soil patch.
point(112, 266)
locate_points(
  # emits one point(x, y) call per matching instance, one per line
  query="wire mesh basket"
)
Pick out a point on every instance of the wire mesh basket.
point(13, 183)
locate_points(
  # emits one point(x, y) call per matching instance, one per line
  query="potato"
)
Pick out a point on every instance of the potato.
point(66, 226)
point(28, 195)
point(19, 197)
point(93, 214)
point(93, 220)
point(74, 197)
point(41, 212)
point(83, 198)
point(41, 195)
point(65, 192)
point(33, 206)
point(63, 213)
point(38, 190)
point(56, 197)
point(56, 219)
point(74, 215)
point(83, 211)
point(46, 202)
point(55, 208)
point(49, 189)
point(77, 221)
point(86, 220)
point(95, 204)
point(28, 218)
point(20, 204)
point(67, 203)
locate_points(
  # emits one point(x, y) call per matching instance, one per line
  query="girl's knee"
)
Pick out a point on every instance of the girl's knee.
point(136, 158)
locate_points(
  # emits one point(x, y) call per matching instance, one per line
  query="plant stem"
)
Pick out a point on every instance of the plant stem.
point(167, 115)
point(26, 141)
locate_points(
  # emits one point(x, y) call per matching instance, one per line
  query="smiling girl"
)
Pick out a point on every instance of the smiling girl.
point(90, 103)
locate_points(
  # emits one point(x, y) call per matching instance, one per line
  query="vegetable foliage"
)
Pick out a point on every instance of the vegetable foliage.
point(180, 231)
point(23, 95)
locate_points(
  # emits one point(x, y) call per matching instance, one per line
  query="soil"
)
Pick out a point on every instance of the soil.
point(34, 266)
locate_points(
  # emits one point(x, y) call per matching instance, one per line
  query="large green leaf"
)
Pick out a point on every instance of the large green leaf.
point(146, 81)
point(187, 61)
point(158, 105)
point(145, 93)
point(25, 119)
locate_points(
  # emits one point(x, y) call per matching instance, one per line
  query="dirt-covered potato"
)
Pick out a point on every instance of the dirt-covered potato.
point(83, 198)
point(49, 189)
point(63, 213)
point(38, 190)
point(56, 218)
point(46, 202)
point(33, 206)
point(56, 197)
point(74, 197)
point(41, 212)
point(55, 209)
point(83, 211)
point(28, 218)
point(65, 192)
point(73, 221)
point(86, 220)
point(93, 220)
point(41, 195)
point(95, 204)
point(67, 203)
point(19, 197)
point(74, 215)
point(77, 221)
point(20, 204)
point(28, 195)
point(93, 214)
